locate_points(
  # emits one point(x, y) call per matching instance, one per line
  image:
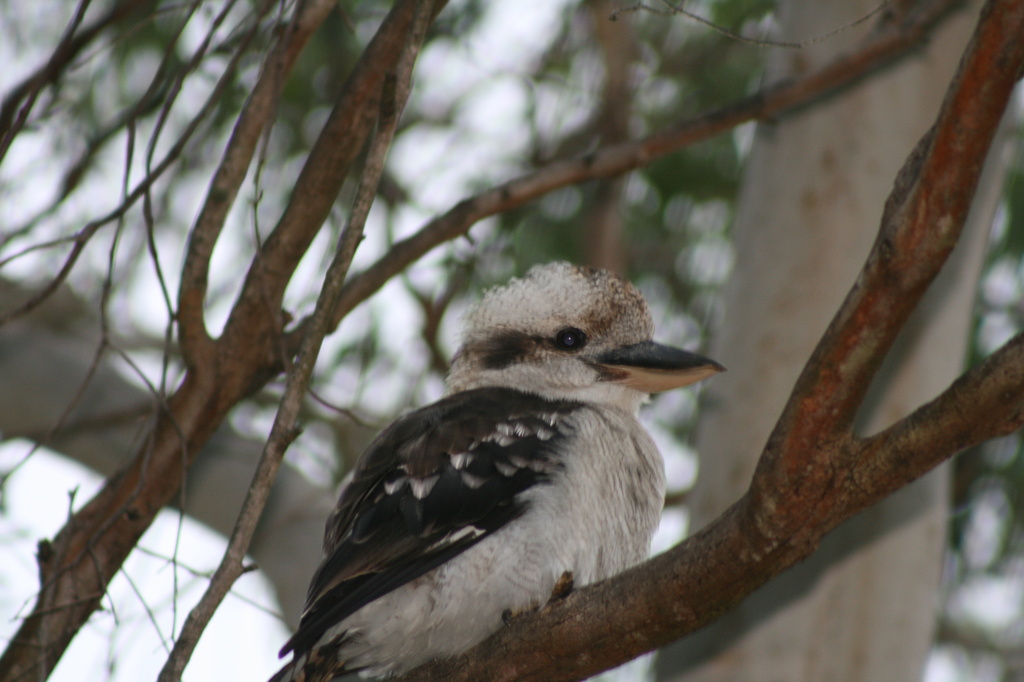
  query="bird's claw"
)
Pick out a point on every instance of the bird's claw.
point(563, 587)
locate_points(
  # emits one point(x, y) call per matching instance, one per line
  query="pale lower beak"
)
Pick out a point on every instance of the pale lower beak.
point(651, 367)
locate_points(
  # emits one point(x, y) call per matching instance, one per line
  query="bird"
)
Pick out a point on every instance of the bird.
point(532, 470)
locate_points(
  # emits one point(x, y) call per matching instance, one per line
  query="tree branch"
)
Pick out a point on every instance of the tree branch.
point(77, 566)
point(257, 113)
point(813, 474)
point(986, 402)
point(82, 237)
point(25, 93)
point(892, 39)
point(920, 226)
point(395, 93)
point(335, 150)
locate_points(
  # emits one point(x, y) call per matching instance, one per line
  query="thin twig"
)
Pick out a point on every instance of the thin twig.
point(772, 102)
point(58, 61)
point(73, 42)
point(150, 615)
point(173, 154)
point(285, 426)
point(761, 42)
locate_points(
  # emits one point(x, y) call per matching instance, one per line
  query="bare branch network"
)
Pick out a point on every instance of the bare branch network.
point(814, 472)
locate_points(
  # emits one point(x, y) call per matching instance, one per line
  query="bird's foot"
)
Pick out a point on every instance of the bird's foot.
point(563, 588)
point(508, 615)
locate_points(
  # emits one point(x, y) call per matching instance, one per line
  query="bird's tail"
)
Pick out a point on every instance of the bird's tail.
point(313, 666)
point(292, 671)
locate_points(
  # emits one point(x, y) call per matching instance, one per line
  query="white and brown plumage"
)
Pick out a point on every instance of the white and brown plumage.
point(533, 466)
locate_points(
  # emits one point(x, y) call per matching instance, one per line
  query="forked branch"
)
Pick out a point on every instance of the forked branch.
point(814, 472)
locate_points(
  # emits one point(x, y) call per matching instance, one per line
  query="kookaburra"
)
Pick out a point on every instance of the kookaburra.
point(532, 467)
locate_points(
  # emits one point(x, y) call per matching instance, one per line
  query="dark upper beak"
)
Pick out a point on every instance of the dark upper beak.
point(651, 367)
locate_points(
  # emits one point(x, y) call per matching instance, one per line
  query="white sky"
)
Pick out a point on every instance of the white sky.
point(242, 640)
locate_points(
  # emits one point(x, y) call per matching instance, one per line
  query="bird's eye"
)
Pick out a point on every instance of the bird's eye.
point(570, 338)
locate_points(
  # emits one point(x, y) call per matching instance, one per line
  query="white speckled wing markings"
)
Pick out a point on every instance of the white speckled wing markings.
point(430, 486)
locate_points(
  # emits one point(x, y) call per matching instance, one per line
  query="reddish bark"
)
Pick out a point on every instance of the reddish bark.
point(814, 472)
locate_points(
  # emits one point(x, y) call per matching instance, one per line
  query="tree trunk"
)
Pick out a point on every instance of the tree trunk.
point(863, 607)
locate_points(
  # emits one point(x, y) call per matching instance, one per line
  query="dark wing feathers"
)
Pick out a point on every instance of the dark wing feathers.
point(431, 485)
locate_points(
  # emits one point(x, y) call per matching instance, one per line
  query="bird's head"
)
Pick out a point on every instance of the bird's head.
point(564, 331)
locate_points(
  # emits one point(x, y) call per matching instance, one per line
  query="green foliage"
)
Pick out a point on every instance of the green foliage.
point(987, 528)
point(732, 15)
point(1013, 243)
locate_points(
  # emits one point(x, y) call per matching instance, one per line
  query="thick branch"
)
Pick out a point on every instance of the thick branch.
point(285, 428)
point(688, 587)
point(814, 474)
point(920, 226)
point(335, 150)
point(77, 565)
point(986, 402)
point(88, 551)
point(258, 111)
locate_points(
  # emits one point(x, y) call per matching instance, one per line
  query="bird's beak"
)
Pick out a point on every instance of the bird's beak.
point(651, 367)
